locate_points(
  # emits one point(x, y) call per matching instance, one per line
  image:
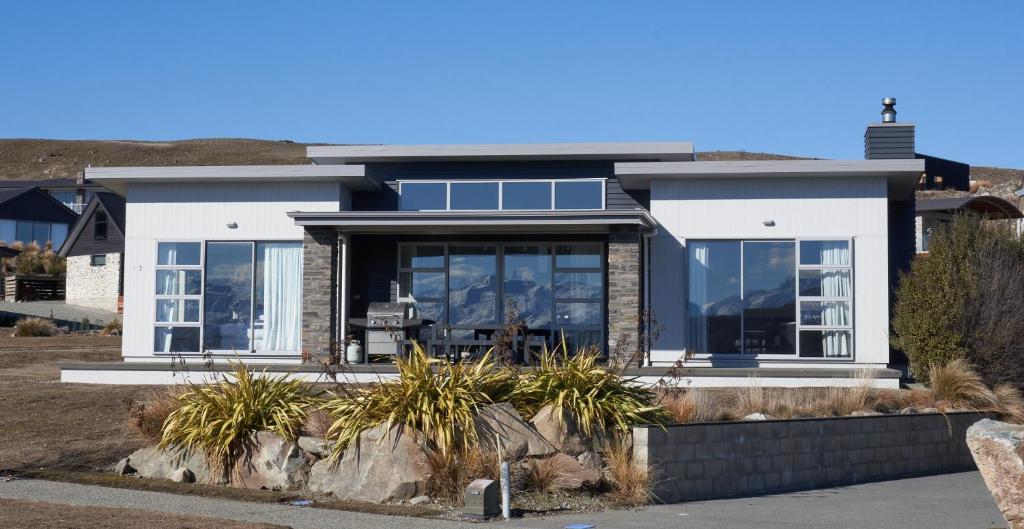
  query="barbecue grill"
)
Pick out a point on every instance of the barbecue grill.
point(386, 326)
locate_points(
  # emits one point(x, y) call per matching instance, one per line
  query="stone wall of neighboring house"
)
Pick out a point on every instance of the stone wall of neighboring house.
point(718, 460)
point(91, 285)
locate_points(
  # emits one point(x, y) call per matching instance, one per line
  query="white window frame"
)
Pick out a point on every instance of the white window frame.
point(796, 357)
point(501, 204)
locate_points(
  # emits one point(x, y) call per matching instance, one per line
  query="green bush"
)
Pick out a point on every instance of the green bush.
point(965, 299)
point(221, 419)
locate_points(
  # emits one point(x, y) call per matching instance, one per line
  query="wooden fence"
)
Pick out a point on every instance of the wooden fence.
point(33, 288)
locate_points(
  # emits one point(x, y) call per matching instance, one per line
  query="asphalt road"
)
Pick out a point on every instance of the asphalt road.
point(952, 501)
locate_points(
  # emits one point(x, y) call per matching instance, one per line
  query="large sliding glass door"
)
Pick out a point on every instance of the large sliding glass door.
point(473, 288)
point(235, 296)
point(743, 298)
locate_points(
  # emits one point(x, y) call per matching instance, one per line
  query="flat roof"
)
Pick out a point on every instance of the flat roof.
point(902, 174)
point(652, 151)
point(448, 222)
point(117, 178)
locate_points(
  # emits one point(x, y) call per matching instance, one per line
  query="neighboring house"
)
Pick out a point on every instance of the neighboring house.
point(774, 269)
point(74, 193)
point(935, 212)
point(94, 252)
point(30, 215)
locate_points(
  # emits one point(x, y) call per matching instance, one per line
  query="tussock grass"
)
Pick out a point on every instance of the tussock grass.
point(961, 386)
point(112, 328)
point(451, 473)
point(543, 475)
point(33, 326)
point(147, 414)
point(220, 419)
point(693, 405)
point(631, 483)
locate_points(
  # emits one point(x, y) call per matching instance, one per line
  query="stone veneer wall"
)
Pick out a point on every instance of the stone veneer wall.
point(93, 286)
point(319, 293)
point(623, 294)
point(717, 460)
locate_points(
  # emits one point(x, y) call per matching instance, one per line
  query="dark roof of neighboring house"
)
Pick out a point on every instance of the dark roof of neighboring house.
point(991, 206)
point(111, 203)
point(50, 182)
point(32, 203)
point(8, 252)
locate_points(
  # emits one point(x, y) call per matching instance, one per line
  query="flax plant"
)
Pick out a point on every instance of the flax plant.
point(431, 396)
point(221, 420)
point(598, 397)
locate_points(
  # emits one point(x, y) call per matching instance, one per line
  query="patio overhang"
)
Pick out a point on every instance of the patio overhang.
point(449, 222)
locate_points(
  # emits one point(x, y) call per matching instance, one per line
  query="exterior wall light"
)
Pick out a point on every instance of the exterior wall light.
point(768, 222)
point(232, 225)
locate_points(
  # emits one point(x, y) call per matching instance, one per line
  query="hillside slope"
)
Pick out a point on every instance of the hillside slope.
point(28, 159)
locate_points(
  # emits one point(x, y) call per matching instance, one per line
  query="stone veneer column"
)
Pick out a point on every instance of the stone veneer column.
point(623, 294)
point(319, 289)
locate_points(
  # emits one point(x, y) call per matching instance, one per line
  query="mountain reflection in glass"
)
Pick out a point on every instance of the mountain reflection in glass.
point(528, 283)
point(228, 303)
point(473, 285)
point(715, 306)
point(769, 297)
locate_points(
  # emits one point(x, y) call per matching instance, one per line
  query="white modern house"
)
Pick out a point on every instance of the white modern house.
point(775, 269)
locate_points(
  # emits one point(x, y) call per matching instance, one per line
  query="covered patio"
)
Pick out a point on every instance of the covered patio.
point(468, 275)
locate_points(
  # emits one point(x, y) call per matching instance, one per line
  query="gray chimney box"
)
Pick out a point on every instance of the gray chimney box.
point(889, 140)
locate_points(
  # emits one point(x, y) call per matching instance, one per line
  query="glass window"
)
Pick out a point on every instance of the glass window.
point(715, 304)
point(422, 256)
point(8, 231)
point(58, 234)
point(825, 283)
point(577, 256)
point(40, 232)
point(472, 285)
point(178, 282)
point(177, 310)
point(578, 285)
point(826, 343)
point(277, 318)
point(578, 313)
point(422, 196)
point(227, 314)
point(97, 260)
point(421, 285)
point(526, 195)
point(769, 297)
point(24, 232)
point(585, 194)
point(178, 253)
point(474, 195)
point(825, 253)
point(176, 340)
point(99, 226)
point(825, 313)
point(528, 284)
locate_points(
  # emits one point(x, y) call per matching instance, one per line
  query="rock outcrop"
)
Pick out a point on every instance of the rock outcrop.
point(152, 462)
point(387, 465)
point(561, 430)
point(277, 464)
point(518, 438)
point(998, 449)
point(570, 473)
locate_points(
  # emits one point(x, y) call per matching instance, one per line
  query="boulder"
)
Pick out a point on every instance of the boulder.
point(276, 464)
point(998, 449)
point(123, 467)
point(316, 447)
point(758, 417)
point(561, 430)
point(909, 410)
point(571, 474)
point(153, 462)
point(865, 413)
point(183, 475)
point(591, 460)
point(930, 410)
point(419, 499)
point(518, 438)
point(387, 465)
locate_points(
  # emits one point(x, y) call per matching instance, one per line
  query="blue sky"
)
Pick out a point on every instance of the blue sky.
point(799, 78)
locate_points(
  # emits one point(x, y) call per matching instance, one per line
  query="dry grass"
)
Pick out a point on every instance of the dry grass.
point(451, 473)
point(112, 328)
point(147, 414)
point(33, 326)
point(317, 423)
point(631, 484)
point(695, 405)
point(961, 386)
point(1010, 403)
point(543, 475)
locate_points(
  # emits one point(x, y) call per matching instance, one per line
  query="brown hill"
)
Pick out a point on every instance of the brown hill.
point(27, 159)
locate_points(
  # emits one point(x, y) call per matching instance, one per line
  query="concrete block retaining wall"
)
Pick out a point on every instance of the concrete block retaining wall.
point(717, 460)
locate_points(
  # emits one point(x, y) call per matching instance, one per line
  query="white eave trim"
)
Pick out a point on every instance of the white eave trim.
point(117, 178)
point(902, 174)
point(651, 151)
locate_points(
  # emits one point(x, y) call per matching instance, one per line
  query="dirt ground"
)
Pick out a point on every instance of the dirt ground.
point(48, 425)
point(21, 514)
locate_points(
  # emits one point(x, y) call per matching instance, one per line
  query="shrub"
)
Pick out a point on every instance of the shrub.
point(631, 483)
point(147, 415)
point(112, 328)
point(221, 419)
point(33, 326)
point(597, 397)
point(964, 299)
point(440, 404)
point(35, 260)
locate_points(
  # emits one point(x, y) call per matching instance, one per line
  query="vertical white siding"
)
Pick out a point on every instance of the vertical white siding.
point(197, 212)
point(722, 208)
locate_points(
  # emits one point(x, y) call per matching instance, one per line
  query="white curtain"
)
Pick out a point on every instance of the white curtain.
point(697, 323)
point(835, 283)
point(282, 297)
